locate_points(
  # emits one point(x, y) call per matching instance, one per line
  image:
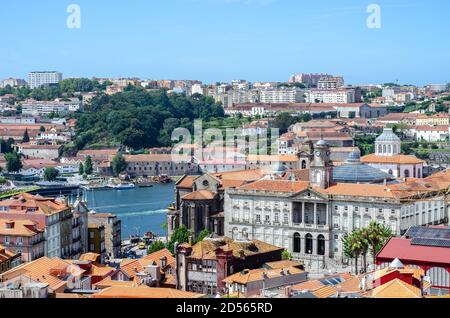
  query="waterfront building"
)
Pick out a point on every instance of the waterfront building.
point(203, 267)
point(40, 79)
point(388, 157)
point(160, 164)
point(39, 151)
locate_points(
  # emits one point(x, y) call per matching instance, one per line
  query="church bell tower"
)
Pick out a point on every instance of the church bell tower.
point(321, 171)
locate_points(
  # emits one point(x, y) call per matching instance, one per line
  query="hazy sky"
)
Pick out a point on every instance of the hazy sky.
point(221, 40)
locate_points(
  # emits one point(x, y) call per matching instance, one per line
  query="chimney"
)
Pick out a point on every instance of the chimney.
point(163, 262)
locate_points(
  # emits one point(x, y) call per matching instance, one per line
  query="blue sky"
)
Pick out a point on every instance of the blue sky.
point(221, 40)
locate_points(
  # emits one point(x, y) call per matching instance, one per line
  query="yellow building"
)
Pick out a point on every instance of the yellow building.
point(435, 120)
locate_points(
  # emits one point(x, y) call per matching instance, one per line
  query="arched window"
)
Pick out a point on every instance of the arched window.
point(304, 164)
point(418, 173)
point(308, 244)
point(391, 172)
point(384, 149)
point(297, 243)
point(235, 233)
point(321, 245)
point(406, 173)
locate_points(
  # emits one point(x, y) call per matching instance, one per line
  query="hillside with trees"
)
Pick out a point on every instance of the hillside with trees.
point(140, 119)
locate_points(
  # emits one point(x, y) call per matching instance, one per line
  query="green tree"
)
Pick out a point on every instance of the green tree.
point(81, 169)
point(283, 121)
point(203, 234)
point(377, 235)
point(286, 255)
point(180, 235)
point(156, 246)
point(118, 164)
point(88, 167)
point(26, 137)
point(13, 162)
point(353, 248)
point(50, 174)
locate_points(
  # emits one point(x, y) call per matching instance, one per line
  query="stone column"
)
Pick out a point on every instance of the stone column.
point(315, 214)
point(303, 213)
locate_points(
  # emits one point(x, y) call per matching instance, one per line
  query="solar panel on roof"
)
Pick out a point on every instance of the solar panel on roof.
point(431, 242)
point(427, 232)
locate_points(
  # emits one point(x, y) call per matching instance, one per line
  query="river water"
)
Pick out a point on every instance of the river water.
point(141, 209)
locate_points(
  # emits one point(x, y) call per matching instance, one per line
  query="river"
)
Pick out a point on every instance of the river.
point(141, 209)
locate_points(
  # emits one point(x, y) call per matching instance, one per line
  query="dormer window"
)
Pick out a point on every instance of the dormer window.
point(31, 210)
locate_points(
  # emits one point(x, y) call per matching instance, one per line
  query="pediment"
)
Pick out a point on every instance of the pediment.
point(309, 194)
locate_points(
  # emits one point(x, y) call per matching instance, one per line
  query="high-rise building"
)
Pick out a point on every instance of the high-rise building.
point(46, 78)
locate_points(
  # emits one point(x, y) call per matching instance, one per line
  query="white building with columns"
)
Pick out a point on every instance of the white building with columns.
point(310, 218)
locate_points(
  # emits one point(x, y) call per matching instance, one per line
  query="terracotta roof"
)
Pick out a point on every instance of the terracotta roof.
point(108, 282)
point(144, 292)
point(186, 182)
point(207, 248)
point(396, 289)
point(260, 274)
point(283, 264)
point(45, 270)
point(272, 158)
point(131, 266)
point(90, 257)
point(98, 152)
point(399, 159)
point(6, 254)
point(276, 186)
point(325, 292)
point(21, 228)
point(157, 158)
point(311, 285)
point(200, 195)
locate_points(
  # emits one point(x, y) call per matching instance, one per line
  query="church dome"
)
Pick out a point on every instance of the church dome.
point(353, 171)
point(278, 168)
point(388, 136)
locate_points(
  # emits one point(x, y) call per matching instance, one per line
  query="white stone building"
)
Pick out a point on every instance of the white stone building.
point(388, 158)
point(310, 219)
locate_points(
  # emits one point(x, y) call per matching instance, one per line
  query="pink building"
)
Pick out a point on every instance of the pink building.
point(22, 237)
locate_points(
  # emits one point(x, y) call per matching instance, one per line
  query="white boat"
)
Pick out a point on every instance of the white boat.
point(123, 186)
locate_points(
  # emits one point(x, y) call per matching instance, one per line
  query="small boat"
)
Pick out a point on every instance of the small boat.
point(123, 186)
point(145, 185)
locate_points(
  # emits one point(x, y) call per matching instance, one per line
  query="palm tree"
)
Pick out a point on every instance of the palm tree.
point(362, 235)
point(353, 248)
point(377, 235)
